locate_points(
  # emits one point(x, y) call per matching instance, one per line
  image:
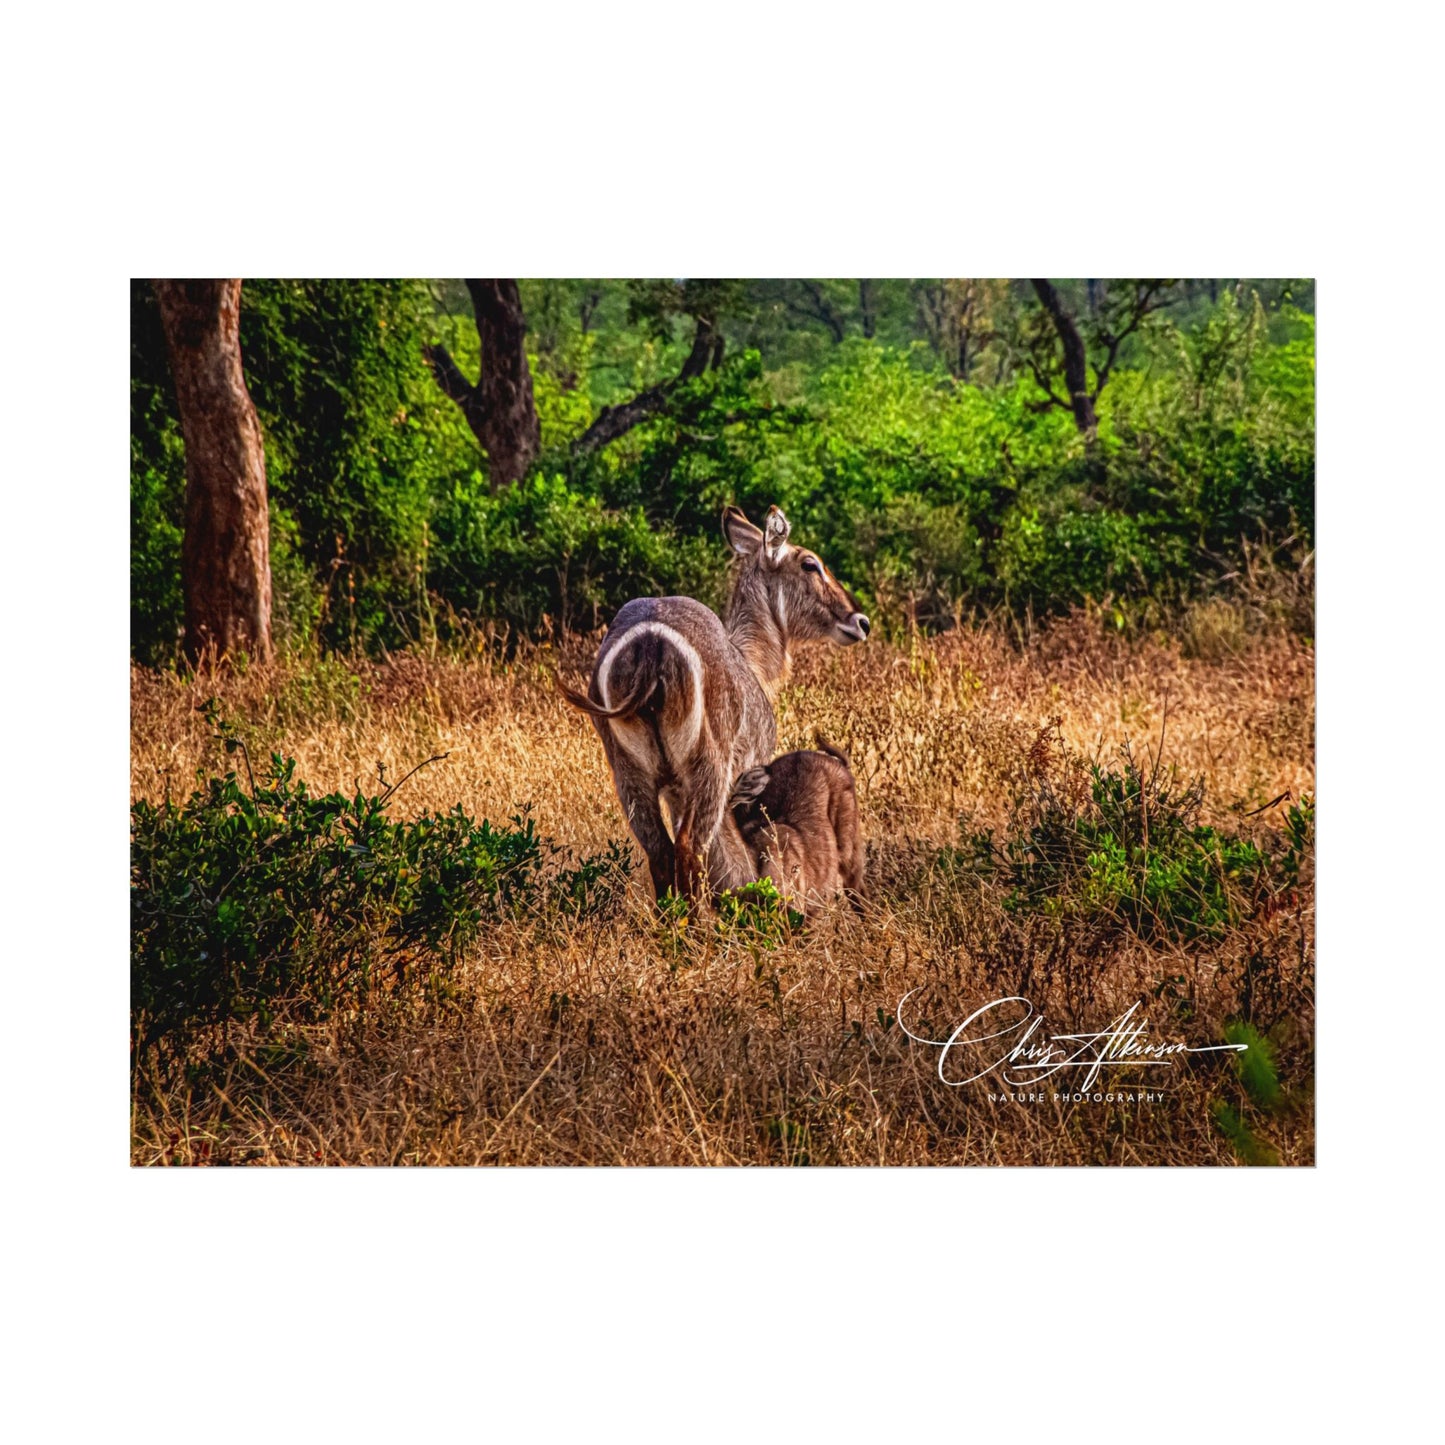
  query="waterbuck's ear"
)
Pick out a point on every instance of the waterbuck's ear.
point(749, 787)
point(777, 530)
point(743, 537)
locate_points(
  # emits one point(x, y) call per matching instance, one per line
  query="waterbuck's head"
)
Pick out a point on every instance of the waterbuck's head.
point(783, 593)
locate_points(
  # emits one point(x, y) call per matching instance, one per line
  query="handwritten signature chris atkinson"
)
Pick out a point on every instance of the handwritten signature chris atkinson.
point(1022, 1055)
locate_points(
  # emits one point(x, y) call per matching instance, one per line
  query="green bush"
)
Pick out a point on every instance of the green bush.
point(248, 902)
point(157, 489)
point(756, 913)
point(927, 495)
point(359, 442)
point(1256, 1068)
point(1131, 850)
point(1247, 1145)
point(1255, 1064)
point(544, 555)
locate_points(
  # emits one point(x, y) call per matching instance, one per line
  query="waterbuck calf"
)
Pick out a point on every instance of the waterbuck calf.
point(683, 702)
point(798, 819)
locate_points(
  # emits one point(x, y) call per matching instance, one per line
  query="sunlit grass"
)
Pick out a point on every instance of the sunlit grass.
point(651, 1041)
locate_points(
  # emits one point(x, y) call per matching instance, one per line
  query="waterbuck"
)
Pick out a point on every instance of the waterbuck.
point(683, 702)
point(798, 819)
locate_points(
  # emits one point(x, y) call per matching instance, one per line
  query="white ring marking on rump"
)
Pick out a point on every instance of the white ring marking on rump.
point(685, 738)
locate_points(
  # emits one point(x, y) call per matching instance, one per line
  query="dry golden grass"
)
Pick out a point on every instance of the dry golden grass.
point(608, 1043)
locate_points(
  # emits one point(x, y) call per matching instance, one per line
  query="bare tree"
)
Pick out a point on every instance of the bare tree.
point(1116, 312)
point(499, 409)
point(225, 552)
point(959, 317)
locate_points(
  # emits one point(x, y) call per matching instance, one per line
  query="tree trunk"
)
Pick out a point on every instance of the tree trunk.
point(499, 409)
point(867, 307)
point(225, 553)
point(1076, 365)
point(510, 430)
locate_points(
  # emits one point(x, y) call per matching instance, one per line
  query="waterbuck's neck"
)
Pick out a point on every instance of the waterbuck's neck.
point(758, 633)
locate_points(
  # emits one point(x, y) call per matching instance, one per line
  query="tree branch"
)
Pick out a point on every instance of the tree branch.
point(704, 340)
point(1044, 385)
point(615, 421)
point(1140, 308)
point(449, 375)
point(820, 311)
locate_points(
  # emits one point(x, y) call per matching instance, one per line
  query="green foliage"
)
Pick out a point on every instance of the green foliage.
point(1250, 1148)
point(157, 489)
point(654, 304)
point(1215, 439)
point(671, 932)
point(711, 447)
point(1299, 828)
point(1130, 849)
point(546, 555)
point(596, 887)
point(757, 913)
point(253, 900)
point(1214, 443)
point(928, 494)
point(1255, 1065)
point(358, 442)
point(791, 1138)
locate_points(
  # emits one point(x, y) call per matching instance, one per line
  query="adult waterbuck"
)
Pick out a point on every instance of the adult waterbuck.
point(683, 702)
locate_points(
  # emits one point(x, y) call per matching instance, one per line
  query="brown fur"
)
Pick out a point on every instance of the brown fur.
point(798, 819)
point(683, 702)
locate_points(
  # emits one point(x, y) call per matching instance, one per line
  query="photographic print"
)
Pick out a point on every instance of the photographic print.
point(672, 722)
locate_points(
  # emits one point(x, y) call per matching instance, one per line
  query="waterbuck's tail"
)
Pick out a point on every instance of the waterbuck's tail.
point(825, 746)
point(636, 698)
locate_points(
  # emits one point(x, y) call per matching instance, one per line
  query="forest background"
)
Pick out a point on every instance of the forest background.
point(522, 457)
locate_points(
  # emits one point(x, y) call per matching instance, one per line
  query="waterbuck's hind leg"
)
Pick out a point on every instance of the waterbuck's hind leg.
point(638, 793)
point(705, 798)
point(645, 819)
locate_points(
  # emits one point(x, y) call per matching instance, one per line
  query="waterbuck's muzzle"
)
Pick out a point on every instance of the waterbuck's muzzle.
point(855, 629)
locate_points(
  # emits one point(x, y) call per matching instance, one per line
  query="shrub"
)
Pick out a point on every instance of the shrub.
point(543, 553)
point(1255, 1064)
point(248, 901)
point(595, 887)
point(1247, 1145)
point(1125, 844)
point(1257, 1069)
point(756, 913)
point(157, 489)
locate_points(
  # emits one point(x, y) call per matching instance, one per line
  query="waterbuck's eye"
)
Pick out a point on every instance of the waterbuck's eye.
point(812, 564)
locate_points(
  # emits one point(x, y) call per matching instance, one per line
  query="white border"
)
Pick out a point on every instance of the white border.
point(756, 140)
